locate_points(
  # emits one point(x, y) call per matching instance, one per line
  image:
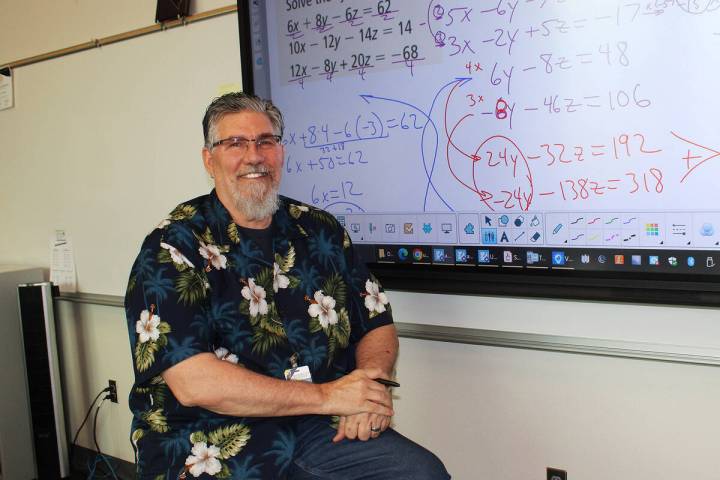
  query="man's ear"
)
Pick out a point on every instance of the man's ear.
point(208, 162)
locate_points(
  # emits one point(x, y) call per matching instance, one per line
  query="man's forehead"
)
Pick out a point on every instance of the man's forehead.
point(255, 122)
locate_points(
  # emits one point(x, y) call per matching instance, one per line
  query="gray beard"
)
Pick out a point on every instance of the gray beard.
point(257, 203)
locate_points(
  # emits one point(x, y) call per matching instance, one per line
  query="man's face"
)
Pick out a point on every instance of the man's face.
point(246, 180)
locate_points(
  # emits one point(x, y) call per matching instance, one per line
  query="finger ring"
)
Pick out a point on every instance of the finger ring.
point(375, 429)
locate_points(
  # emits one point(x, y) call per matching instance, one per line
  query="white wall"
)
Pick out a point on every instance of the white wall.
point(111, 115)
point(507, 414)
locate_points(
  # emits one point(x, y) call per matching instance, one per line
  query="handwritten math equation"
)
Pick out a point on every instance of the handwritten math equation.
point(326, 39)
point(517, 103)
point(331, 39)
point(505, 174)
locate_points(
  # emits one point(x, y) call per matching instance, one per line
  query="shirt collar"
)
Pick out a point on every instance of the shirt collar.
point(283, 225)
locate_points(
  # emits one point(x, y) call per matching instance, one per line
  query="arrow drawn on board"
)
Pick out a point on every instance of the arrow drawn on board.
point(709, 154)
point(429, 122)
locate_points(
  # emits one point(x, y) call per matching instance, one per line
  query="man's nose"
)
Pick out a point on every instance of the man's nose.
point(253, 154)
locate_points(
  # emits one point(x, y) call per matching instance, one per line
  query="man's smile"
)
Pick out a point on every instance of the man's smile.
point(254, 174)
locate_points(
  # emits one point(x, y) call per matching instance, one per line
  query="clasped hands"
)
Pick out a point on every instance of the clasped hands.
point(363, 405)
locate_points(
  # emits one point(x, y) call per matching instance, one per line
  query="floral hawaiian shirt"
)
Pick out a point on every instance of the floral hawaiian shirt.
point(200, 285)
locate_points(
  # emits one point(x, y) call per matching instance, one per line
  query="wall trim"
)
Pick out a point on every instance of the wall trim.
point(499, 338)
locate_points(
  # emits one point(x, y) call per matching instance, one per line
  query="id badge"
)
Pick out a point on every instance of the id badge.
point(301, 373)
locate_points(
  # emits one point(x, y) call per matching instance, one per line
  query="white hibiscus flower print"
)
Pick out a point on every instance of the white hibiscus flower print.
point(204, 459)
point(323, 308)
point(164, 223)
point(375, 300)
point(224, 354)
point(256, 295)
point(212, 254)
point(176, 256)
point(147, 326)
point(279, 280)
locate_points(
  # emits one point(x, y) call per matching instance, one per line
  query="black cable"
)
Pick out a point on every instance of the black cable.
point(97, 410)
point(97, 445)
point(72, 445)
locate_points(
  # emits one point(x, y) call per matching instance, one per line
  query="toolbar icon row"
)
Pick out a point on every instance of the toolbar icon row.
point(423, 229)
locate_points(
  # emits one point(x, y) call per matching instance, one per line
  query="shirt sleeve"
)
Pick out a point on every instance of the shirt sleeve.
point(368, 304)
point(166, 307)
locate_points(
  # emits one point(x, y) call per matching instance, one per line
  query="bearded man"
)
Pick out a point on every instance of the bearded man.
point(259, 341)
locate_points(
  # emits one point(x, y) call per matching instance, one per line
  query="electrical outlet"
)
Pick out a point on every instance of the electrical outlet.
point(112, 393)
point(556, 474)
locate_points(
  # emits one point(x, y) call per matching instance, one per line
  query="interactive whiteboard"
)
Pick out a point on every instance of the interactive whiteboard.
point(572, 133)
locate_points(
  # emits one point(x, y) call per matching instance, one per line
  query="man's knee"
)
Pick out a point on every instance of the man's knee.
point(418, 462)
point(425, 465)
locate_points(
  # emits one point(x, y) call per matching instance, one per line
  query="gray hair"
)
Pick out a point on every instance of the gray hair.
point(236, 102)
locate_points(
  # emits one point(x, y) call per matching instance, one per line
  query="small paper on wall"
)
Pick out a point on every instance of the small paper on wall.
point(62, 264)
point(6, 89)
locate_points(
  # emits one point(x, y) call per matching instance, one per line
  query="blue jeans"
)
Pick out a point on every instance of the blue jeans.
point(389, 456)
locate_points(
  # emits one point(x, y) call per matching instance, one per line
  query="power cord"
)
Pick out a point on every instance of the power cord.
point(100, 456)
point(92, 467)
point(87, 415)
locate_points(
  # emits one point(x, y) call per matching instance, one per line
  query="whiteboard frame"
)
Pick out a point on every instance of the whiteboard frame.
point(663, 288)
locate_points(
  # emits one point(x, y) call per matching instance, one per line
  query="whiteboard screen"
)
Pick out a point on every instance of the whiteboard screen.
point(552, 134)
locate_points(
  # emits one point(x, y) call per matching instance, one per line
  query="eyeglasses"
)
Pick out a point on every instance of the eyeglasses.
point(263, 143)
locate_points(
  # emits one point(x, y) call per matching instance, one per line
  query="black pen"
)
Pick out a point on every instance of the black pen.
point(387, 383)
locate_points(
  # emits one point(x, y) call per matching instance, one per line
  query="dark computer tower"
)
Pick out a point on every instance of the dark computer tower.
point(43, 374)
point(17, 457)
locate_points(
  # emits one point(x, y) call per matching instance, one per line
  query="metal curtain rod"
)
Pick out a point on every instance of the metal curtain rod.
point(99, 42)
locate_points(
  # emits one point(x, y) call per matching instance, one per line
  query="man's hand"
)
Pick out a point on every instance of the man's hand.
point(376, 350)
point(362, 426)
point(357, 393)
